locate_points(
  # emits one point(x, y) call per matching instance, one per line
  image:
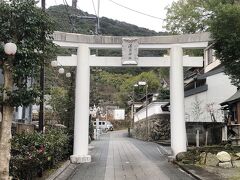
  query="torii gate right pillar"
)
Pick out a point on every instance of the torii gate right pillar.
point(178, 127)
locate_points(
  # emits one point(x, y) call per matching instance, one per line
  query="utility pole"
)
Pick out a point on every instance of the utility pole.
point(42, 70)
point(147, 112)
point(98, 20)
point(74, 4)
point(97, 23)
point(43, 5)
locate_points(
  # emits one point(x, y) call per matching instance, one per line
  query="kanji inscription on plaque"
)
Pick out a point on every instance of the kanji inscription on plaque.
point(130, 51)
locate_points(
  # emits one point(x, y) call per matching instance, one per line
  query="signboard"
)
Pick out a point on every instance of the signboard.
point(119, 114)
point(130, 51)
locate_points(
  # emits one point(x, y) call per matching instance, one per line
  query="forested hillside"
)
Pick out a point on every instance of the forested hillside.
point(68, 20)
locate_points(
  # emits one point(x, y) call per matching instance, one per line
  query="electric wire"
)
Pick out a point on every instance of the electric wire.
point(94, 7)
point(136, 11)
point(69, 16)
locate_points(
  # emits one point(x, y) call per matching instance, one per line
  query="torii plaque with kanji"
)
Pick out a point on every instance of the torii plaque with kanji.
point(130, 51)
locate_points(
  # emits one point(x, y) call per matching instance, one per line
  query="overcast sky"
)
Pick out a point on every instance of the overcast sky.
point(111, 10)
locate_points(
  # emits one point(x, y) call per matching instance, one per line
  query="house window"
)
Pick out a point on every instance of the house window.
point(210, 54)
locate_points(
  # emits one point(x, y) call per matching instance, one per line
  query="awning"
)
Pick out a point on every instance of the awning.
point(216, 70)
point(234, 98)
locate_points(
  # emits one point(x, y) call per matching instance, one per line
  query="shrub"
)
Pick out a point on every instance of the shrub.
point(33, 153)
point(91, 128)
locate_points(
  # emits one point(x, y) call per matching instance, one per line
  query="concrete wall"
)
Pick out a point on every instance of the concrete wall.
point(214, 133)
point(199, 106)
point(211, 66)
point(18, 128)
point(159, 128)
point(154, 108)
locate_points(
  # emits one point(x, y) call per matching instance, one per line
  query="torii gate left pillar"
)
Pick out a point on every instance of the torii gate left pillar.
point(81, 119)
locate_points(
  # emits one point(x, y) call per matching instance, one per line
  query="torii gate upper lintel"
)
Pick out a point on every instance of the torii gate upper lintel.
point(83, 60)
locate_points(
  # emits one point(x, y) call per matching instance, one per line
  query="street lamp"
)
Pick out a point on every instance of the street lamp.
point(60, 70)
point(68, 75)
point(133, 107)
point(54, 63)
point(144, 83)
point(10, 48)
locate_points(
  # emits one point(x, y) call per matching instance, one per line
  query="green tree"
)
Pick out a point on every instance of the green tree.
point(221, 18)
point(31, 29)
point(104, 86)
point(225, 30)
point(127, 87)
point(187, 16)
point(191, 16)
point(59, 102)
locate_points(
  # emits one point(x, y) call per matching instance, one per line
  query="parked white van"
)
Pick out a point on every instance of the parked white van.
point(104, 125)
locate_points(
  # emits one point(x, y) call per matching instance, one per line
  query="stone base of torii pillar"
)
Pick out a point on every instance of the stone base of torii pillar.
point(77, 159)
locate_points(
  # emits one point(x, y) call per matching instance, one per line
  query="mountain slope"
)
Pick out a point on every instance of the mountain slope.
point(67, 19)
point(103, 80)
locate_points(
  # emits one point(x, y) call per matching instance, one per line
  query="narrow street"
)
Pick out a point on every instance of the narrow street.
point(117, 157)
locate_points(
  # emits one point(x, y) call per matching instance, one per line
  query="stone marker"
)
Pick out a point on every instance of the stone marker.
point(238, 154)
point(236, 164)
point(234, 158)
point(202, 158)
point(211, 160)
point(180, 156)
point(225, 164)
point(223, 156)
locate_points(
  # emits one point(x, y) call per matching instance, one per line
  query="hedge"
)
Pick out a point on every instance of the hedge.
point(31, 154)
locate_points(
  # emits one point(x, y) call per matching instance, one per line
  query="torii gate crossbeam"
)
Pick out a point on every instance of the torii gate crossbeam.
point(84, 61)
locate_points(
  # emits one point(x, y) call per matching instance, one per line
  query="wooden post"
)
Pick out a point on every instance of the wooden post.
point(197, 138)
point(206, 139)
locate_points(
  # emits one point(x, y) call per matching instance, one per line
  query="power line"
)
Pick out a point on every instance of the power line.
point(136, 11)
point(97, 15)
point(94, 7)
point(86, 16)
point(69, 16)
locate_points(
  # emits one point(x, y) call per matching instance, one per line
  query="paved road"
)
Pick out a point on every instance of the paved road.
point(117, 157)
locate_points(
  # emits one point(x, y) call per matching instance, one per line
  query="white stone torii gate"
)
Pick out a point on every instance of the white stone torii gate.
point(83, 60)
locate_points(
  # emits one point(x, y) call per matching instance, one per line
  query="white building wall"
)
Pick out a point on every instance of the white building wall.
point(153, 109)
point(119, 114)
point(199, 106)
point(211, 66)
